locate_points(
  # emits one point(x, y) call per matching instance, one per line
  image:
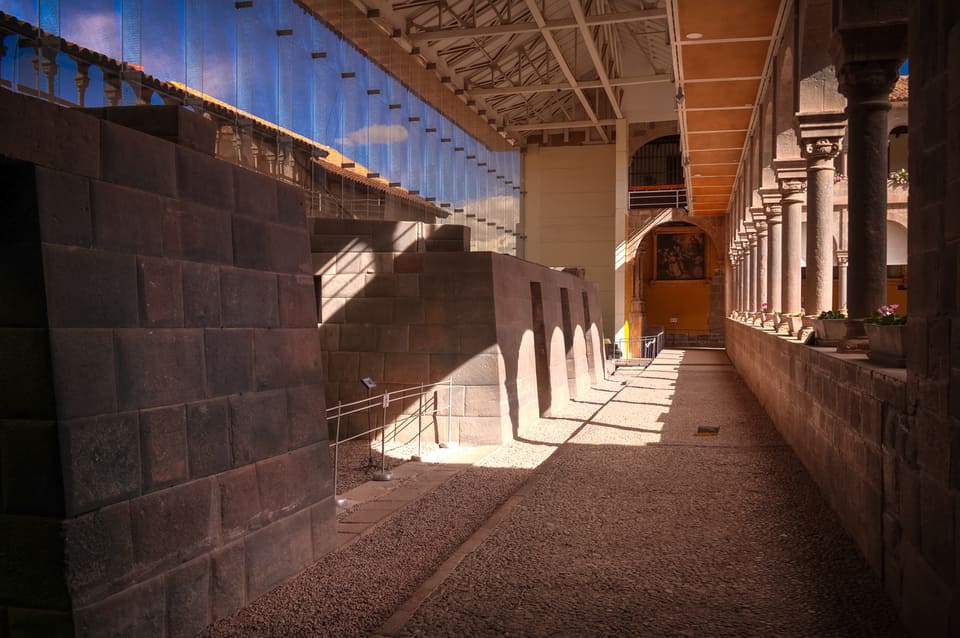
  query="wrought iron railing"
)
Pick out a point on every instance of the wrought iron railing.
point(646, 347)
point(659, 198)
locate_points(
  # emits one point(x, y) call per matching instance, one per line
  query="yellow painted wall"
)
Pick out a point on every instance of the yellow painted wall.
point(569, 212)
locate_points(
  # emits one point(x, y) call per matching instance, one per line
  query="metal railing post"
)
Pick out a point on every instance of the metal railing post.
point(341, 502)
point(449, 442)
point(383, 474)
point(419, 455)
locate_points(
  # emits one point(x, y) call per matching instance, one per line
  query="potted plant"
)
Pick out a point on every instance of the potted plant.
point(886, 331)
point(830, 327)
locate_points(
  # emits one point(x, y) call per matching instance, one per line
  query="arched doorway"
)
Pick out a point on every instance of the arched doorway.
point(675, 283)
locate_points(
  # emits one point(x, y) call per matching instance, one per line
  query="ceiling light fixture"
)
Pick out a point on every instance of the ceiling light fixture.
point(694, 36)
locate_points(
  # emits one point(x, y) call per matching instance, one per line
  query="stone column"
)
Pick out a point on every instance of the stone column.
point(867, 86)
point(752, 267)
point(792, 177)
point(772, 210)
point(842, 285)
point(761, 225)
point(821, 137)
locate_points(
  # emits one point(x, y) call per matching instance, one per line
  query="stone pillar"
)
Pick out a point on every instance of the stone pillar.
point(842, 285)
point(867, 85)
point(752, 267)
point(772, 210)
point(761, 225)
point(792, 177)
point(821, 135)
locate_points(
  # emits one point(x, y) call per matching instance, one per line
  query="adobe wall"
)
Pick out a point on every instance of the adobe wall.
point(164, 445)
point(405, 304)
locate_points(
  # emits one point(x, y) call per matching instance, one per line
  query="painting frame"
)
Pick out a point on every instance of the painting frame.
point(680, 254)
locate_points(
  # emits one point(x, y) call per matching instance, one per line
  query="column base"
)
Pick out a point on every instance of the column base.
point(856, 338)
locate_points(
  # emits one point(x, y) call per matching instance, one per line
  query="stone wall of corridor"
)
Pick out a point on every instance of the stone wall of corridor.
point(857, 432)
point(164, 447)
point(404, 304)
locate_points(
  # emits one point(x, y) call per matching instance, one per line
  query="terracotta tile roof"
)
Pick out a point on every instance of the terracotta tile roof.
point(901, 90)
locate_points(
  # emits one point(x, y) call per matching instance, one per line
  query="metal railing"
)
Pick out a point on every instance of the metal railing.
point(666, 198)
point(426, 396)
point(645, 347)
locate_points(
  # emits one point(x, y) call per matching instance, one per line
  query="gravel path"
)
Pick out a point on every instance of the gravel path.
point(633, 527)
point(353, 591)
point(638, 527)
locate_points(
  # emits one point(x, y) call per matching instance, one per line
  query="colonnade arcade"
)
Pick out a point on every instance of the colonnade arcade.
point(817, 153)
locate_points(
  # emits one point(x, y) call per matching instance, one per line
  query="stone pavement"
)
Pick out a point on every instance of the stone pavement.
point(639, 527)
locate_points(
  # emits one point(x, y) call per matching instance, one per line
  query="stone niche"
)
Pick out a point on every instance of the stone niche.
point(164, 447)
point(405, 303)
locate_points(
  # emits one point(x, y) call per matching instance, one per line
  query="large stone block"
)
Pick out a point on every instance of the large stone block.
point(161, 293)
point(90, 288)
point(229, 361)
point(227, 581)
point(291, 205)
point(30, 464)
point(343, 367)
point(323, 524)
point(136, 612)
point(99, 550)
point(138, 160)
point(361, 310)
point(101, 460)
point(346, 286)
point(248, 299)
point(63, 202)
point(239, 501)
point(435, 339)
point(287, 357)
point(59, 138)
point(394, 338)
point(175, 524)
point(208, 437)
point(204, 179)
point(289, 249)
point(292, 481)
point(278, 552)
point(201, 295)
point(251, 243)
point(126, 220)
point(197, 232)
point(163, 441)
point(259, 426)
point(255, 193)
point(159, 367)
point(83, 371)
point(298, 302)
point(405, 368)
point(306, 408)
point(188, 598)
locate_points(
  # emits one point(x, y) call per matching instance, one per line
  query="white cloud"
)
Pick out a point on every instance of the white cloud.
point(376, 134)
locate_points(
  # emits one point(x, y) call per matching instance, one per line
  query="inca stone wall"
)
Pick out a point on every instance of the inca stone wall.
point(403, 303)
point(164, 443)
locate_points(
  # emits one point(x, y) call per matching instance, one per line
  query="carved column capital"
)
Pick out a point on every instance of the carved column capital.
point(842, 258)
point(868, 83)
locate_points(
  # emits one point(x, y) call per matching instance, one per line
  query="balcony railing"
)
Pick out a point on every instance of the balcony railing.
point(668, 196)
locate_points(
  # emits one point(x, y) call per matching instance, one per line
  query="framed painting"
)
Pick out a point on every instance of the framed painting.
point(681, 256)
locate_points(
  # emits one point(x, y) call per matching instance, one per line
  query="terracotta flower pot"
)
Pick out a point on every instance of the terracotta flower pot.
point(886, 344)
point(830, 331)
